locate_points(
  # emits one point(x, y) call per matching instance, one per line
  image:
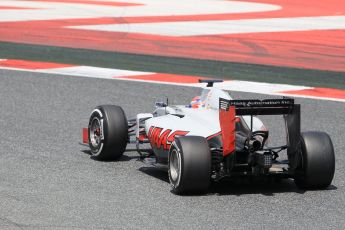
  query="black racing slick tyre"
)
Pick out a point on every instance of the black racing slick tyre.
point(318, 161)
point(108, 132)
point(189, 165)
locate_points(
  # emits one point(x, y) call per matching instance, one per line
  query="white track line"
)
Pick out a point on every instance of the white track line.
point(217, 27)
point(95, 72)
point(74, 10)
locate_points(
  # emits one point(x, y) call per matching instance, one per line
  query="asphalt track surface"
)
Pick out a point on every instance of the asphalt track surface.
point(48, 181)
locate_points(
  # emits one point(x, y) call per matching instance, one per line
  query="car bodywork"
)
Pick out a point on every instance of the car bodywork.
point(214, 137)
point(231, 128)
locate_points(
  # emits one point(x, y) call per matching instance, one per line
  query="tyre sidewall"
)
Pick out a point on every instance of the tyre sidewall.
point(195, 167)
point(96, 113)
point(318, 161)
point(114, 128)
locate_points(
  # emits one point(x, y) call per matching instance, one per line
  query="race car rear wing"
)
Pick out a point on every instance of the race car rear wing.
point(285, 107)
point(259, 107)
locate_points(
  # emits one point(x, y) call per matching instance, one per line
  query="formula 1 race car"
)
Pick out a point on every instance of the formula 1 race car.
point(214, 137)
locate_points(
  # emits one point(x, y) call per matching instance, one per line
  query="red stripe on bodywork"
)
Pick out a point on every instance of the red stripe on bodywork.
point(85, 135)
point(213, 135)
point(166, 78)
point(32, 65)
point(227, 120)
point(319, 92)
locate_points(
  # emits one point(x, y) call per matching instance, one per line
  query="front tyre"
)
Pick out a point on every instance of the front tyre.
point(108, 132)
point(318, 161)
point(189, 164)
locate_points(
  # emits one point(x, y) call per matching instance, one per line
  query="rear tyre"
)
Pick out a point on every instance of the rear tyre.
point(189, 165)
point(318, 161)
point(108, 132)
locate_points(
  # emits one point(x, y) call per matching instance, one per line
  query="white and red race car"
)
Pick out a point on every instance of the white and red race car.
point(212, 138)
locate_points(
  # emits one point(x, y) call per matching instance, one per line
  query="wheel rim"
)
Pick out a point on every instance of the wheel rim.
point(175, 166)
point(95, 132)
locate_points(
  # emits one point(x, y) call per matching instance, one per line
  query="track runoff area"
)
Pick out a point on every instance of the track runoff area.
point(271, 41)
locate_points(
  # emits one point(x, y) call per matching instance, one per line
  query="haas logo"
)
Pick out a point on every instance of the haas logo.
point(158, 138)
